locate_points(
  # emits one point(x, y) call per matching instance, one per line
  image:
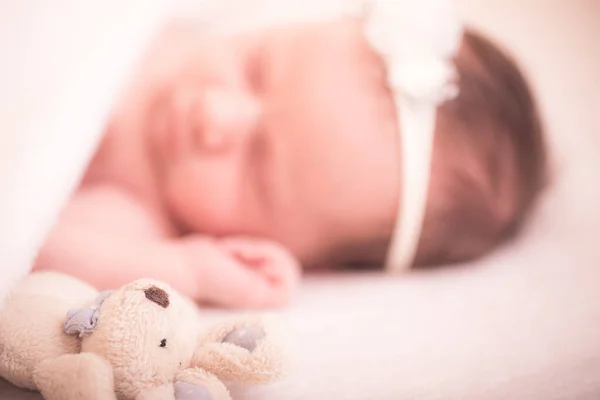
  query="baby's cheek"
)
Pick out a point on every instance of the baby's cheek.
point(203, 200)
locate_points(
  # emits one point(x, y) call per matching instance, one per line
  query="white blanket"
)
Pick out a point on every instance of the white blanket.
point(62, 64)
point(522, 324)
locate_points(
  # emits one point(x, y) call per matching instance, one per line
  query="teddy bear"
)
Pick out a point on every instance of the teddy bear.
point(60, 336)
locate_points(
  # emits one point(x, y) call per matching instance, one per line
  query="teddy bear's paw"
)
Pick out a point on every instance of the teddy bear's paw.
point(164, 392)
point(189, 391)
point(246, 337)
point(197, 384)
point(242, 350)
point(75, 376)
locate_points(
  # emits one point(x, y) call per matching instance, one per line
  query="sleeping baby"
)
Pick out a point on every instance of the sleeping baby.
point(382, 136)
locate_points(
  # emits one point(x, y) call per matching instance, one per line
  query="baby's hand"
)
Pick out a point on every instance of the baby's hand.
point(242, 272)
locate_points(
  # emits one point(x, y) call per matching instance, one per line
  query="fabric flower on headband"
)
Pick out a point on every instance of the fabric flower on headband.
point(417, 40)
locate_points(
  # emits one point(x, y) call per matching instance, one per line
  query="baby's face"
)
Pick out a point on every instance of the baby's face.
point(288, 134)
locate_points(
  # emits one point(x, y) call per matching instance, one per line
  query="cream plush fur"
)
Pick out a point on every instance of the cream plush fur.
point(144, 343)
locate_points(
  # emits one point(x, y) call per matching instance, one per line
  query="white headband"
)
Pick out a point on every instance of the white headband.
point(417, 40)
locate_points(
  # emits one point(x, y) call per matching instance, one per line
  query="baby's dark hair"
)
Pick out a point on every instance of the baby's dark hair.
point(489, 163)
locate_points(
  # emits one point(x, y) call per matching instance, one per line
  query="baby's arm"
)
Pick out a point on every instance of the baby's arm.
point(108, 239)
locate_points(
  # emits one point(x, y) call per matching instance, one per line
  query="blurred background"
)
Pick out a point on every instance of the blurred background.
point(525, 325)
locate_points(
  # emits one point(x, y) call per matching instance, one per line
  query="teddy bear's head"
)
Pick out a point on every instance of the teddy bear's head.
point(147, 331)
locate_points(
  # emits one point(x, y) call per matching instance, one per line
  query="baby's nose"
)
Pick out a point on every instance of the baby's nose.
point(223, 118)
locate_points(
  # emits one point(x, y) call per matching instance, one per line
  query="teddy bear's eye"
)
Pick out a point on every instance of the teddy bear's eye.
point(163, 343)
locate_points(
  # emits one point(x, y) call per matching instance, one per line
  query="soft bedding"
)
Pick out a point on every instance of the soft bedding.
point(521, 324)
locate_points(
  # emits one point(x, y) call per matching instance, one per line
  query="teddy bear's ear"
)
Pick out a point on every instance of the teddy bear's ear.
point(83, 321)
